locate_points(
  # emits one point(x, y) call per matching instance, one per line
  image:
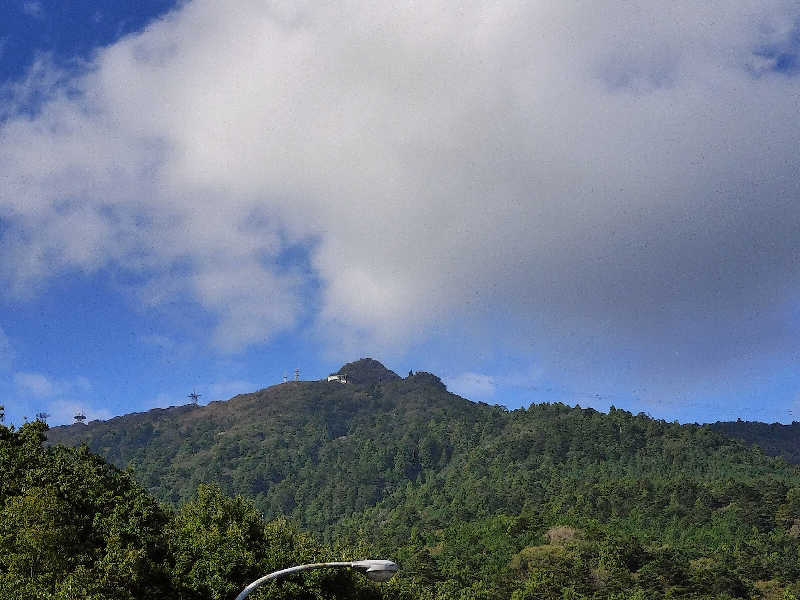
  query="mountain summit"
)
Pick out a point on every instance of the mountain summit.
point(367, 371)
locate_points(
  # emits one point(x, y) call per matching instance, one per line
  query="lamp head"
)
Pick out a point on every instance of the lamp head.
point(377, 570)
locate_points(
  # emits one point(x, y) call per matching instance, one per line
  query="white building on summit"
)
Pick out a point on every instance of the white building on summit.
point(339, 378)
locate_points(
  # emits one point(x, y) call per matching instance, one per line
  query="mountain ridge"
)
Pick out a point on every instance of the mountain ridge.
point(275, 445)
point(428, 476)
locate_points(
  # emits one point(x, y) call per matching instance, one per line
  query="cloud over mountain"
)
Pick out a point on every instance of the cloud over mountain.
point(610, 180)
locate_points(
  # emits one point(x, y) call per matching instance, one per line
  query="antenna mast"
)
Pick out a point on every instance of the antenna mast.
point(297, 374)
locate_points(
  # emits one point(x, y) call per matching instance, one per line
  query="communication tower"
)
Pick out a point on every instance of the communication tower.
point(285, 378)
point(297, 374)
point(80, 417)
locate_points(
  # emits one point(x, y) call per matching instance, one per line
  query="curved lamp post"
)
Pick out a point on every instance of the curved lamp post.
point(377, 570)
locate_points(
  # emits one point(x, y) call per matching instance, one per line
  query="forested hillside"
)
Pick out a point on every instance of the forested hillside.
point(775, 439)
point(477, 501)
point(73, 527)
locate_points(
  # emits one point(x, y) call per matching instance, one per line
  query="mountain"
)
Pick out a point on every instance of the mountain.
point(476, 495)
point(283, 445)
point(74, 527)
point(775, 439)
point(367, 371)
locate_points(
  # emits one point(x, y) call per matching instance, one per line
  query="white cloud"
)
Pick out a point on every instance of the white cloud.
point(35, 384)
point(61, 399)
point(39, 385)
point(605, 177)
point(473, 386)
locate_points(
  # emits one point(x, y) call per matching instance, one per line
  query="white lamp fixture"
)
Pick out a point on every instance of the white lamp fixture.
point(376, 570)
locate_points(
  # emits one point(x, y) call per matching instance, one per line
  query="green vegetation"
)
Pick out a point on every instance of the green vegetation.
point(73, 527)
point(473, 500)
point(775, 439)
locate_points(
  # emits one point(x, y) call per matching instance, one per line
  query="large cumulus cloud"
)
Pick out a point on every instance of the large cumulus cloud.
point(615, 179)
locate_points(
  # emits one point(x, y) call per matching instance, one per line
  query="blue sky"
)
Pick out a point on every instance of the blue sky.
point(537, 203)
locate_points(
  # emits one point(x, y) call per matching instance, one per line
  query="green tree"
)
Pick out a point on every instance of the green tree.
point(220, 544)
point(72, 526)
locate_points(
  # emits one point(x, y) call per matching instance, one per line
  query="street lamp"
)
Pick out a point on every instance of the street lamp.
point(377, 570)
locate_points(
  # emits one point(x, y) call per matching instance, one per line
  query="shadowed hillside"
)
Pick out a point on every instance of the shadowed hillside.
point(775, 439)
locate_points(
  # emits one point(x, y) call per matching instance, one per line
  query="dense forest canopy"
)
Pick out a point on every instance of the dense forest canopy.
point(775, 439)
point(74, 527)
point(473, 500)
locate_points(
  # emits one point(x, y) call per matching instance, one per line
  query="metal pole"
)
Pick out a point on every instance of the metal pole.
point(246, 591)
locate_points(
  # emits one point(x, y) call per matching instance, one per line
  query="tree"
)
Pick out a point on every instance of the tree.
point(220, 544)
point(72, 526)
